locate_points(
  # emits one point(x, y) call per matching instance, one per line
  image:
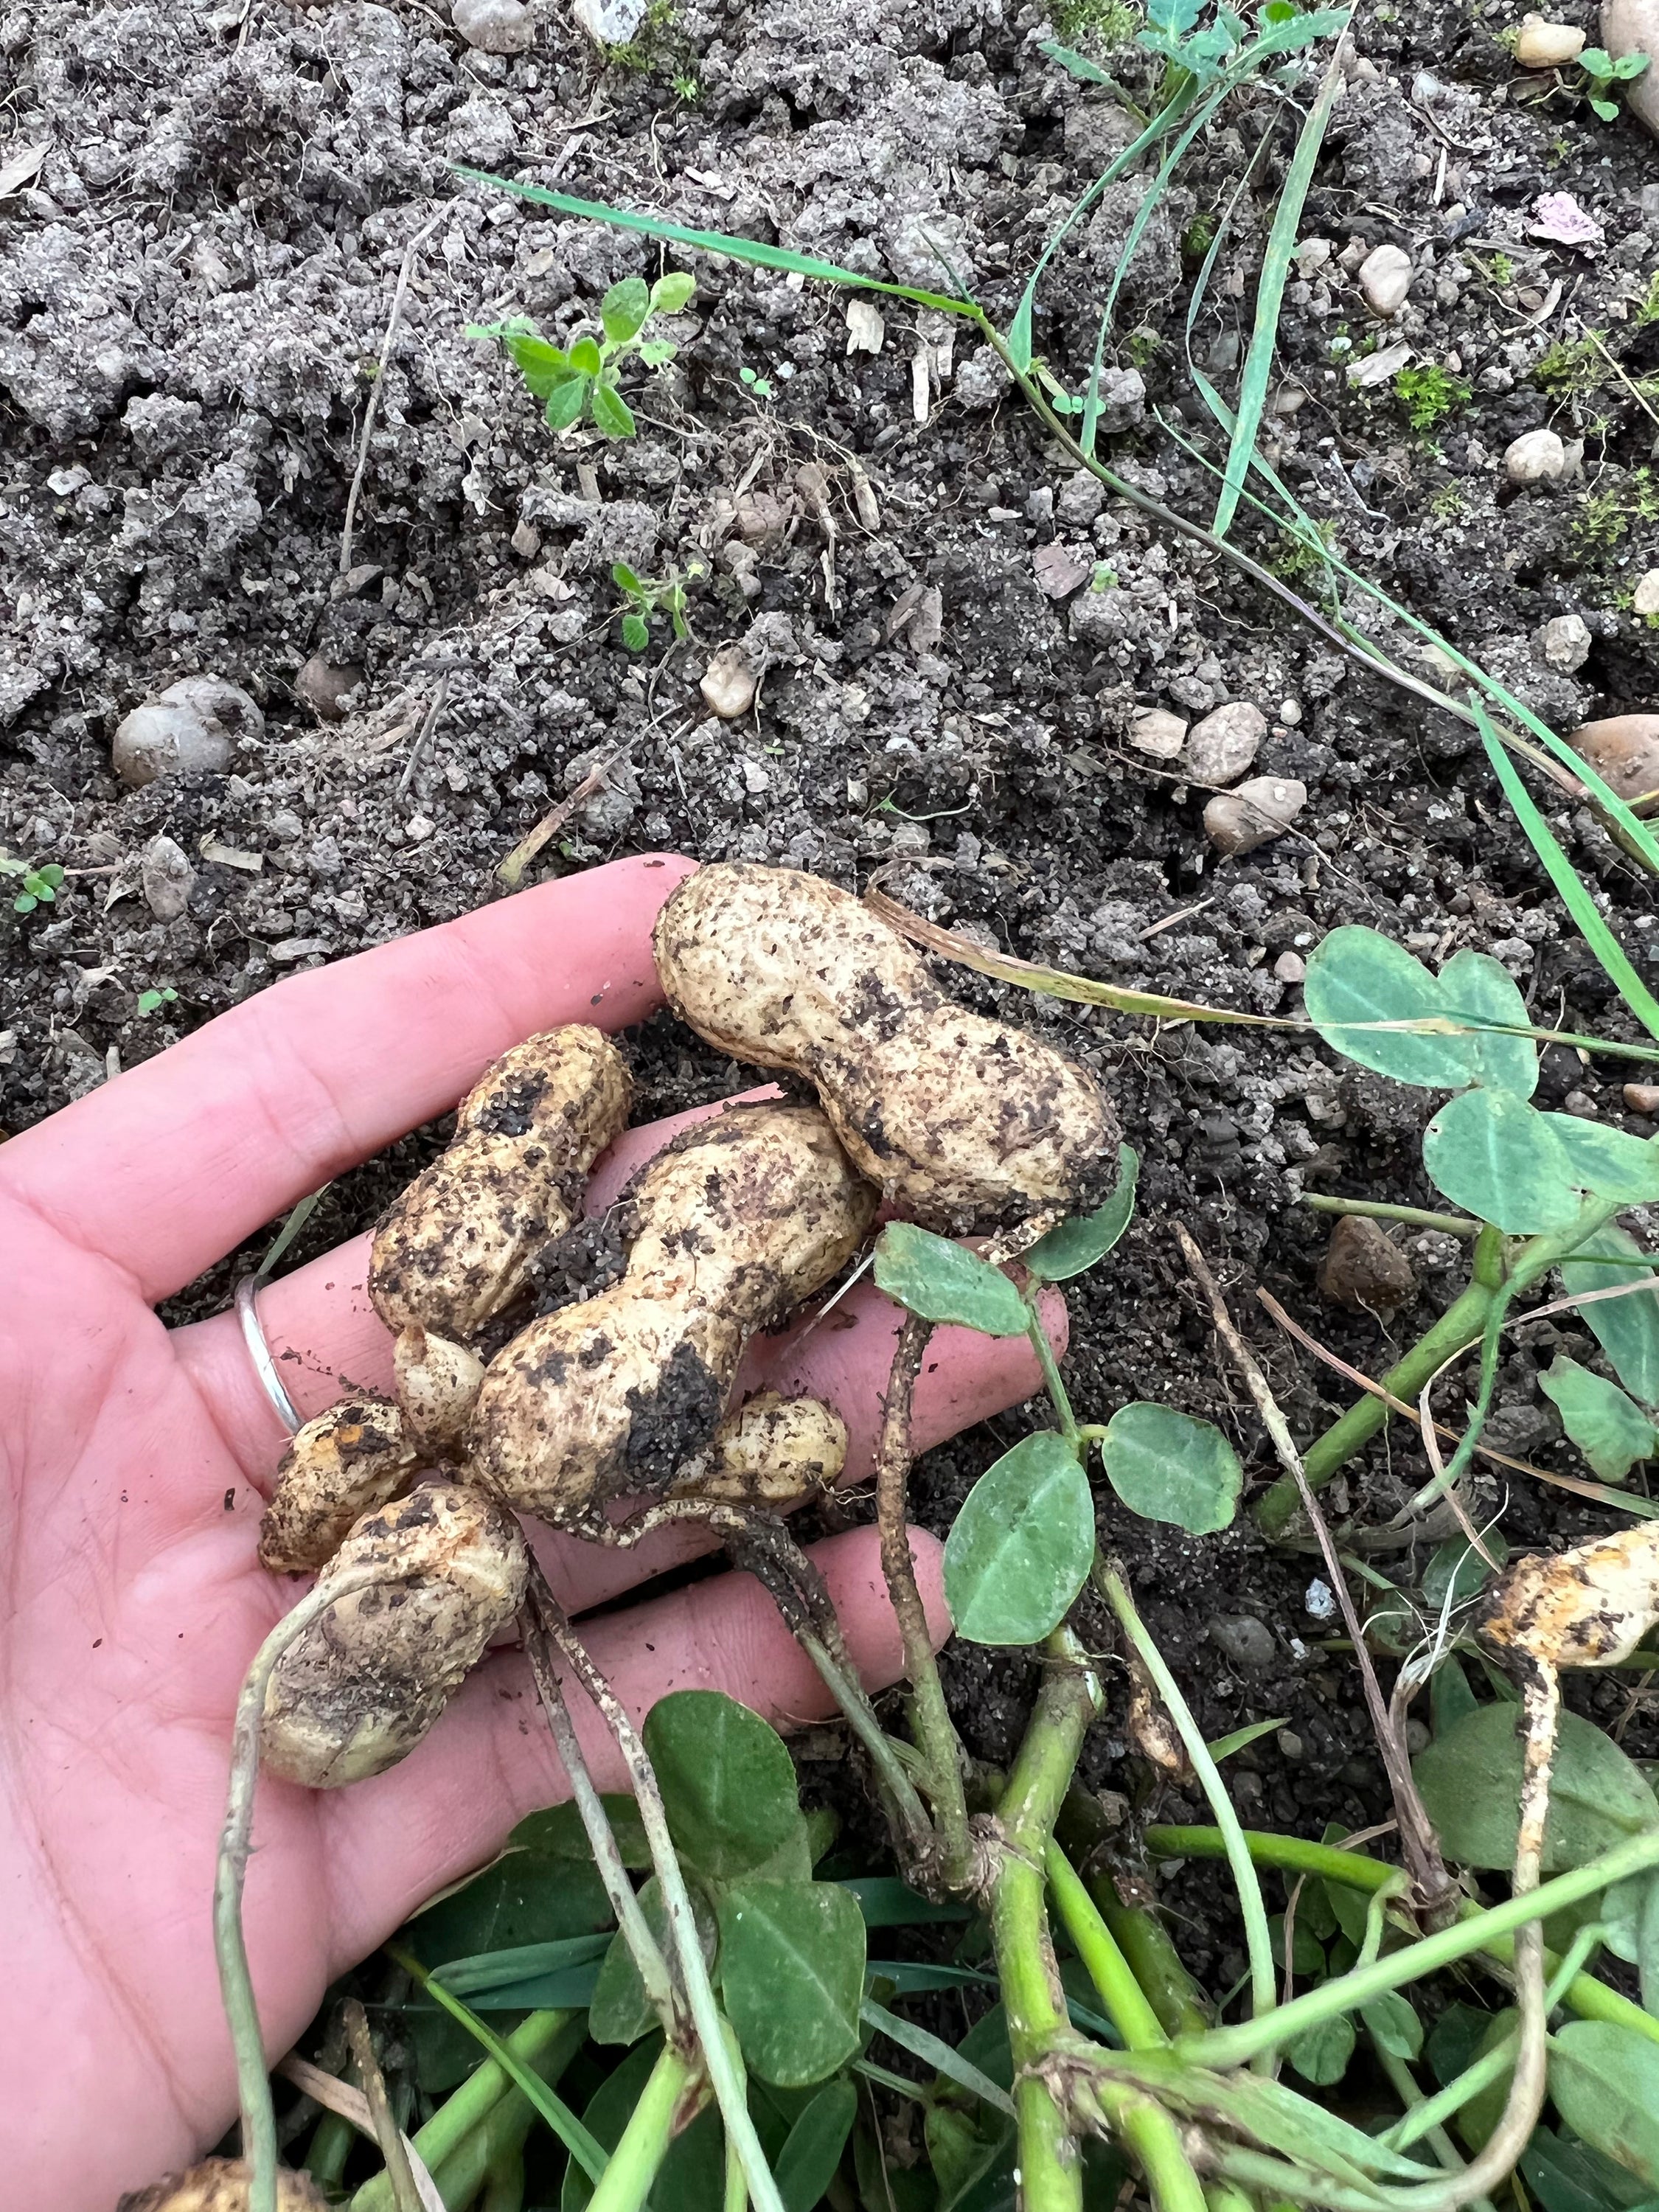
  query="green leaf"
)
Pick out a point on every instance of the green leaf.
point(1022, 1546)
point(1074, 1245)
point(942, 1282)
point(672, 293)
point(477, 1978)
point(1630, 1911)
point(657, 353)
point(806, 2165)
point(620, 2011)
point(1225, 1746)
point(887, 1902)
point(1321, 2054)
point(636, 633)
point(1167, 1467)
point(1608, 1428)
point(541, 365)
point(1470, 1783)
point(613, 417)
point(1458, 1572)
point(792, 1976)
point(1605, 2081)
point(625, 579)
point(1627, 1330)
point(1595, 61)
point(623, 309)
point(1307, 1952)
point(1078, 65)
point(566, 400)
point(1571, 2177)
point(585, 356)
point(558, 1833)
point(1449, 1695)
point(1392, 2018)
point(1610, 1162)
point(1630, 65)
point(1497, 1157)
point(1357, 976)
point(921, 2044)
point(1607, 109)
point(1475, 987)
point(690, 2179)
point(728, 1784)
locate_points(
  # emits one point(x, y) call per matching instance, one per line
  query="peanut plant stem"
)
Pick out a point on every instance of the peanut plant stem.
point(235, 1842)
point(387, 2134)
point(935, 1732)
point(1373, 1209)
point(1126, 2003)
point(666, 2103)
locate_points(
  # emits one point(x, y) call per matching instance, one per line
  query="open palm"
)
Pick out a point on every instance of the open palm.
point(133, 1464)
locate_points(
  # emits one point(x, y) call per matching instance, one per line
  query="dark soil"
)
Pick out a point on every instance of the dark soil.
point(193, 296)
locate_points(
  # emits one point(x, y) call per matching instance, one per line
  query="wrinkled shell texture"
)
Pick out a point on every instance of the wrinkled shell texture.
point(964, 1122)
point(221, 2185)
point(772, 1451)
point(456, 1246)
point(358, 1690)
point(437, 1385)
point(1586, 1608)
point(343, 1464)
point(740, 1221)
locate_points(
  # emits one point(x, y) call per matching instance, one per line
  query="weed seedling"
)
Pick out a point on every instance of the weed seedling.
point(759, 385)
point(153, 1001)
point(1429, 394)
point(647, 596)
point(581, 380)
point(1571, 368)
point(1602, 76)
point(38, 886)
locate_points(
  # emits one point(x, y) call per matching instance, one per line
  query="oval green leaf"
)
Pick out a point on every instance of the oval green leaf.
point(943, 1282)
point(1498, 1157)
point(1167, 1467)
point(565, 400)
point(1392, 2020)
point(1610, 1429)
point(619, 2011)
point(585, 356)
point(1627, 1330)
point(1605, 2081)
point(671, 292)
point(1610, 1162)
point(558, 1832)
point(624, 308)
point(1322, 2055)
point(727, 1783)
point(792, 1973)
point(613, 417)
point(1022, 1545)
point(1457, 1571)
point(1077, 1244)
point(1475, 987)
point(1358, 976)
point(811, 2152)
point(1470, 1782)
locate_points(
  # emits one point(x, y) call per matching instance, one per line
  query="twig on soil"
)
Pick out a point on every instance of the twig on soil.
point(371, 407)
point(1431, 1885)
point(423, 735)
point(387, 2134)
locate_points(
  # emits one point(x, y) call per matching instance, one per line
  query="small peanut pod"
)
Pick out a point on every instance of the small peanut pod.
point(437, 1385)
point(222, 2184)
point(456, 1246)
point(1590, 1607)
point(737, 1223)
point(359, 1688)
point(355, 1456)
point(966, 1123)
point(772, 1451)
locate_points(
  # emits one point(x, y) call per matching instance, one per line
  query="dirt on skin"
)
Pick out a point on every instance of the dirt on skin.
point(951, 630)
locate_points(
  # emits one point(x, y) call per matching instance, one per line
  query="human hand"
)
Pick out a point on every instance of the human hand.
point(133, 1464)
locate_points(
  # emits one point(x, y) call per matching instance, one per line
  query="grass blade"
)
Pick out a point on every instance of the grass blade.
point(714, 241)
point(937, 2054)
point(1270, 293)
point(1561, 873)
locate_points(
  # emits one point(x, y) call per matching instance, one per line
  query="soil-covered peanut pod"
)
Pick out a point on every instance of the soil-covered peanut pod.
point(355, 1456)
point(1590, 1607)
point(772, 1451)
point(221, 2185)
point(357, 1690)
point(964, 1122)
point(735, 1223)
point(437, 1384)
point(457, 1246)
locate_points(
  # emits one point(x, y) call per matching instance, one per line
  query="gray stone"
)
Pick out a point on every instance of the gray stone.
point(1222, 746)
point(1263, 808)
point(1243, 1639)
point(494, 27)
point(192, 728)
point(166, 877)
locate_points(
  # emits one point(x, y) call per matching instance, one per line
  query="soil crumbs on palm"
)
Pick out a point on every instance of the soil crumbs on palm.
point(951, 633)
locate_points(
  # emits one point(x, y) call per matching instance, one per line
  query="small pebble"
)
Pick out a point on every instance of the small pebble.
point(1385, 277)
point(1291, 967)
point(494, 27)
point(1155, 730)
point(1417, 1736)
point(1624, 750)
point(1290, 710)
point(1643, 1098)
point(1644, 599)
point(1564, 642)
point(1319, 1603)
point(526, 540)
point(728, 683)
point(1291, 1745)
point(1222, 746)
point(1263, 808)
point(1363, 1269)
point(1580, 1104)
point(192, 728)
point(1536, 457)
point(1540, 44)
point(1242, 1638)
point(166, 875)
point(324, 684)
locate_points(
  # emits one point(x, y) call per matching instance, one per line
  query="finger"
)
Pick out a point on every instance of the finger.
point(324, 1333)
point(489, 1761)
point(171, 1165)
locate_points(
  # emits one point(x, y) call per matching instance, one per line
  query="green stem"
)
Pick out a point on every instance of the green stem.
point(1051, 1375)
point(1259, 1942)
point(1375, 1209)
point(910, 1814)
point(652, 2126)
point(1051, 2173)
point(546, 2043)
point(1235, 2046)
point(1404, 2084)
point(1583, 1995)
point(504, 2183)
point(1144, 1941)
point(1141, 2122)
point(1125, 2001)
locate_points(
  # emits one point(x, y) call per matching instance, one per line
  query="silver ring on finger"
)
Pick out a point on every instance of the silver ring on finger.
point(247, 1312)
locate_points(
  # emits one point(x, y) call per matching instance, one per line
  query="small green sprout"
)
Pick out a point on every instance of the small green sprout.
point(581, 380)
point(759, 385)
point(152, 1001)
point(39, 886)
point(1104, 25)
point(1603, 76)
point(645, 597)
point(1429, 393)
point(1569, 371)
